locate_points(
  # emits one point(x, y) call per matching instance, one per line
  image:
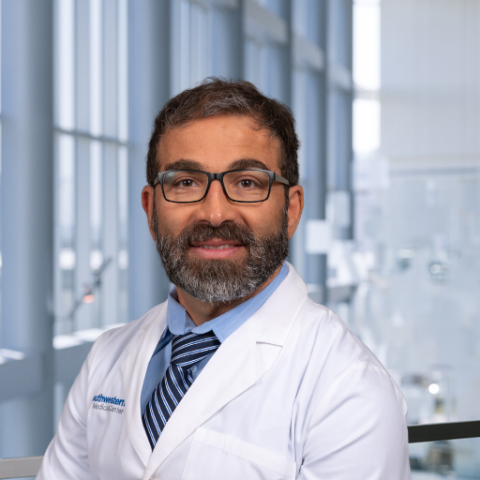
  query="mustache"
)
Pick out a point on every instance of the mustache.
point(202, 232)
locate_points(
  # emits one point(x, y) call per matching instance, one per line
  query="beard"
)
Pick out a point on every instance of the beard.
point(221, 280)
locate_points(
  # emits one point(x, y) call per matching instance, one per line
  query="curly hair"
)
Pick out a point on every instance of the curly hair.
point(216, 96)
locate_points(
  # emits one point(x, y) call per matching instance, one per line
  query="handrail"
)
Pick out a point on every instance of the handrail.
point(19, 467)
point(29, 466)
point(443, 431)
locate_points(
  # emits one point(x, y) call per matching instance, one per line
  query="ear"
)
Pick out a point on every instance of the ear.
point(148, 197)
point(295, 208)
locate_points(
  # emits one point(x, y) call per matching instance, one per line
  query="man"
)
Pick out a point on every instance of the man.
point(239, 375)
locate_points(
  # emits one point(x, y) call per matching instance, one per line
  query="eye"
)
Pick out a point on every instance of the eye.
point(247, 183)
point(185, 183)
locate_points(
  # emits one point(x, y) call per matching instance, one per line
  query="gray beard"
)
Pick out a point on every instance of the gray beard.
point(215, 281)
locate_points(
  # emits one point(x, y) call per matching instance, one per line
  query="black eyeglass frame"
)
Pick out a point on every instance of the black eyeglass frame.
point(272, 177)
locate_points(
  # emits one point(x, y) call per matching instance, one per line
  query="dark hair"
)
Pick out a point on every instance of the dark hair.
point(216, 96)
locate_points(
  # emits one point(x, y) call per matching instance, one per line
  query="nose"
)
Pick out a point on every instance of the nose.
point(216, 208)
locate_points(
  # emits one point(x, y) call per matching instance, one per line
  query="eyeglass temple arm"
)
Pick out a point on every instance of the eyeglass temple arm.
point(280, 179)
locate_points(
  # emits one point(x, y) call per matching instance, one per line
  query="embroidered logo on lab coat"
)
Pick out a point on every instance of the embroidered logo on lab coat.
point(108, 404)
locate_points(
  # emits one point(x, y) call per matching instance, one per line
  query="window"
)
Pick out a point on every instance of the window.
point(115, 64)
point(91, 135)
point(416, 197)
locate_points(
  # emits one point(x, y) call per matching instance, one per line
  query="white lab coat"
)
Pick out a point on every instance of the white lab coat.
point(290, 394)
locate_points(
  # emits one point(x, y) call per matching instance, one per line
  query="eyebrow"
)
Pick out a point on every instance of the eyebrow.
point(247, 163)
point(184, 164)
point(236, 165)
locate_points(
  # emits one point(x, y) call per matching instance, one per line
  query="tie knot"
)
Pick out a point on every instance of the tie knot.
point(190, 348)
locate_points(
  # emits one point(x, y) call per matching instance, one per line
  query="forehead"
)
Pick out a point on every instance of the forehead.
point(218, 141)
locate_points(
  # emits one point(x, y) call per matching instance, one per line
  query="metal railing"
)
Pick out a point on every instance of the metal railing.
point(443, 431)
point(19, 467)
point(29, 466)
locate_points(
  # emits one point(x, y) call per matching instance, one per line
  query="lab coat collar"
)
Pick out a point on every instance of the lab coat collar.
point(277, 315)
point(231, 371)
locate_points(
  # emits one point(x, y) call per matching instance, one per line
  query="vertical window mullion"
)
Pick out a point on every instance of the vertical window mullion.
point(65, 71)
point(122, 70)
point(109, 307)
point(122, 256)
point(83, 274)
point(82, 318)
point(110, 283)
point(184, 44)
point(96, 218)
point(96, 67)
point(110, 68)
point(66, 232)
point(82, 65)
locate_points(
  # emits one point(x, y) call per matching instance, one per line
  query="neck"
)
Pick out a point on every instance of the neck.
point(201, 312)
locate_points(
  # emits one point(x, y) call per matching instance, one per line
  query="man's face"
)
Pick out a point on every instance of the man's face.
point(216, 249)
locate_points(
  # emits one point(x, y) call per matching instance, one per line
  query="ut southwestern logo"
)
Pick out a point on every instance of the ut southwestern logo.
point(108, 404)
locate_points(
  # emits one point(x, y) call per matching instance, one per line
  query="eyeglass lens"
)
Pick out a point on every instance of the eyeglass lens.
point(242, 185)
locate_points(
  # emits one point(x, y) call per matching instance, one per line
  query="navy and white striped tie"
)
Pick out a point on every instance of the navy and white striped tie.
point(187, 350)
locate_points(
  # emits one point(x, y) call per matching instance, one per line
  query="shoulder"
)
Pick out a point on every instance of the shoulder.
point(321, 345)
point(115, 343)
point(330, 337)
point(350, 405)
point(341, 365)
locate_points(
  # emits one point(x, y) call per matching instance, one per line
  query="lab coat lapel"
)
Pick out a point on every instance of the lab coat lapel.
point(230, 372)
point(134, 369)
point(277, 315)
point(233, 368)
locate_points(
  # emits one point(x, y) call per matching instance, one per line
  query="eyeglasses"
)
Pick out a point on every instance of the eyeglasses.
point(250, 185)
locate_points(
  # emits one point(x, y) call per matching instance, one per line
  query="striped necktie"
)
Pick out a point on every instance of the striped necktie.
point(187, 350)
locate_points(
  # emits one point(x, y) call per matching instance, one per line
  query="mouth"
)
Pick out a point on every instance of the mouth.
point(217, 248)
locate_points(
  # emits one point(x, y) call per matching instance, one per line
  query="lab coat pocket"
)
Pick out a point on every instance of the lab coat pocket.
point(216, 456)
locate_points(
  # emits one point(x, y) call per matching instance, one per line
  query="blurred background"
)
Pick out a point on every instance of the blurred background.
point(386, 95)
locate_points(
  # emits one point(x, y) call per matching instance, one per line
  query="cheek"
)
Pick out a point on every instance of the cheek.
point(264, 222)
point(171, 221)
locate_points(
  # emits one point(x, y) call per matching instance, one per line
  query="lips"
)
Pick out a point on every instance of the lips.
point(217, 244)
point(216, 248)
point(228, 241)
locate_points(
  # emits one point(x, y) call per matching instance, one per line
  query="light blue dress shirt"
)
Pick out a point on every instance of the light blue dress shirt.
point(179, 323)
